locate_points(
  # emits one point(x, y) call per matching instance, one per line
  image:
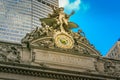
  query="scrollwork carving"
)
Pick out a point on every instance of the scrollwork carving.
point(109, 67)
point(9, 53)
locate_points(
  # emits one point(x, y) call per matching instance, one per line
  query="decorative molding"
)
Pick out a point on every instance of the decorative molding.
point(9, 53)
point(50, 73)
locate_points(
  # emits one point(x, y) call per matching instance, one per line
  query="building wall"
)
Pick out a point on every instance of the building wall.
point(11, 76)
point(17, 62)
point(18, 17)
point(114, 52)
point(40, 9)
point(15, 19)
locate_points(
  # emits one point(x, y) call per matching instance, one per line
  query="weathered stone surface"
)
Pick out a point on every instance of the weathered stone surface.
point(11, 76)
point(10, 52)
point(62, 60)
point(36, 58)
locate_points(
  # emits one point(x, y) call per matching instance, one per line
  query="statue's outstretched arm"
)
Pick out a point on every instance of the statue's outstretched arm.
point(72, 13)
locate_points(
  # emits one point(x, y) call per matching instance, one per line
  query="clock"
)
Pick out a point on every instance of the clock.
point(63, 40)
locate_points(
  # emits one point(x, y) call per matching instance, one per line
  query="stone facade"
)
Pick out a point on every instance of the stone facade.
point(54, 52)
point(41, 64)
point(114, 52)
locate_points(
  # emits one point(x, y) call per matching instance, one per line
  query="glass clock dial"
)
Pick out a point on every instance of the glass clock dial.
point(64, 41)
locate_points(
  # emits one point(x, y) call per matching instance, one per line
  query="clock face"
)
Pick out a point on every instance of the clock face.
point(64, 41)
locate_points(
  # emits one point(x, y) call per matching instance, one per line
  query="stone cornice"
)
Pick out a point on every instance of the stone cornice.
point(38, 71)
point(11, 43)
point(65, 51)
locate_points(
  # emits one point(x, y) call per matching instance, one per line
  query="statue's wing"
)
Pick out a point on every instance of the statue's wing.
point(48, 21)
point(72, 25)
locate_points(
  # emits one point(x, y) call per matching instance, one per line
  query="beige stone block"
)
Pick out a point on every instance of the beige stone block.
point(63, 60)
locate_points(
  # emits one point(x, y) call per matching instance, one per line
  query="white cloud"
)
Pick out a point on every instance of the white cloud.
point(70, 6)
point(63, 3)
point(76, 5)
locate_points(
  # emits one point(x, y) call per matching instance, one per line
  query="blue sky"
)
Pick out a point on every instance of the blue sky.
point(99, 19)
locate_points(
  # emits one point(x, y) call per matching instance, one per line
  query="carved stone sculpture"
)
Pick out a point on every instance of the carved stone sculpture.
point(56, 33)
point(9, 53)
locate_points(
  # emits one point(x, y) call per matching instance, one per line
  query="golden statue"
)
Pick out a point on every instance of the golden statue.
point(59, 19)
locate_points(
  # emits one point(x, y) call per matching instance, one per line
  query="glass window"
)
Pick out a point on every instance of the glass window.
point(16, 17)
